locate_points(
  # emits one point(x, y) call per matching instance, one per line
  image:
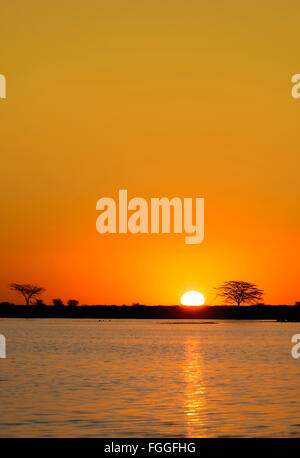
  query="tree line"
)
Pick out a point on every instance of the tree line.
point(31, 293)
point(231, 292)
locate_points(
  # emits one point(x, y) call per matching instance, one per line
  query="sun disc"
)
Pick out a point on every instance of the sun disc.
point(192, 298)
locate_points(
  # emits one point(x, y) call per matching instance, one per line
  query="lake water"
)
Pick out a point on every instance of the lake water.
point(148, 378)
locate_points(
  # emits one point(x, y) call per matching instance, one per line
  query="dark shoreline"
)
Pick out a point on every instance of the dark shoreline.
point(265, 312)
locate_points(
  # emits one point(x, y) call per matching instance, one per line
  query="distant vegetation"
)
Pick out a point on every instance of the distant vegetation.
point(31, 292)
point(231, 292)
point(58, 303)
point(234, 293)
point(72, 303)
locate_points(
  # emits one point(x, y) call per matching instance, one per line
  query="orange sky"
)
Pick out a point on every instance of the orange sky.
point(167, 99)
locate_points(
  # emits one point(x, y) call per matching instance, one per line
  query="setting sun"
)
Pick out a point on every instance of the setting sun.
point(192, 298)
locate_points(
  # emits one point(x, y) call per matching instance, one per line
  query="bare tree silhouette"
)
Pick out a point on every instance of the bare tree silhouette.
point(28, 291)
point(238, 292)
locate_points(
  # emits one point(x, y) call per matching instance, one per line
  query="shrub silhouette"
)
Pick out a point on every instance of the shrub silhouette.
point(73, 303)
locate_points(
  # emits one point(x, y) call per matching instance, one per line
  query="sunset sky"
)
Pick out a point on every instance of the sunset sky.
point(162, 98)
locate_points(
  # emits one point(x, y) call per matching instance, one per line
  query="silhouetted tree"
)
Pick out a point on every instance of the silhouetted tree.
point(39, 303)
point(28, 291)
point(238, 292)
point(73, 303)
point(57, 303)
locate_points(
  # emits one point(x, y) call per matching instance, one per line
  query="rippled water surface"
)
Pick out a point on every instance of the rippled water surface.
point(148, 378)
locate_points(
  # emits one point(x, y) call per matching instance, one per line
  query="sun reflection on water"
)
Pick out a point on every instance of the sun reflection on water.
point(194, 400)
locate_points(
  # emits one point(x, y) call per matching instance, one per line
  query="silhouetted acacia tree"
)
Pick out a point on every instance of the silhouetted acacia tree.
point(28, 291)
point(57, 302)
point(238, 292)
point(73, 303)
